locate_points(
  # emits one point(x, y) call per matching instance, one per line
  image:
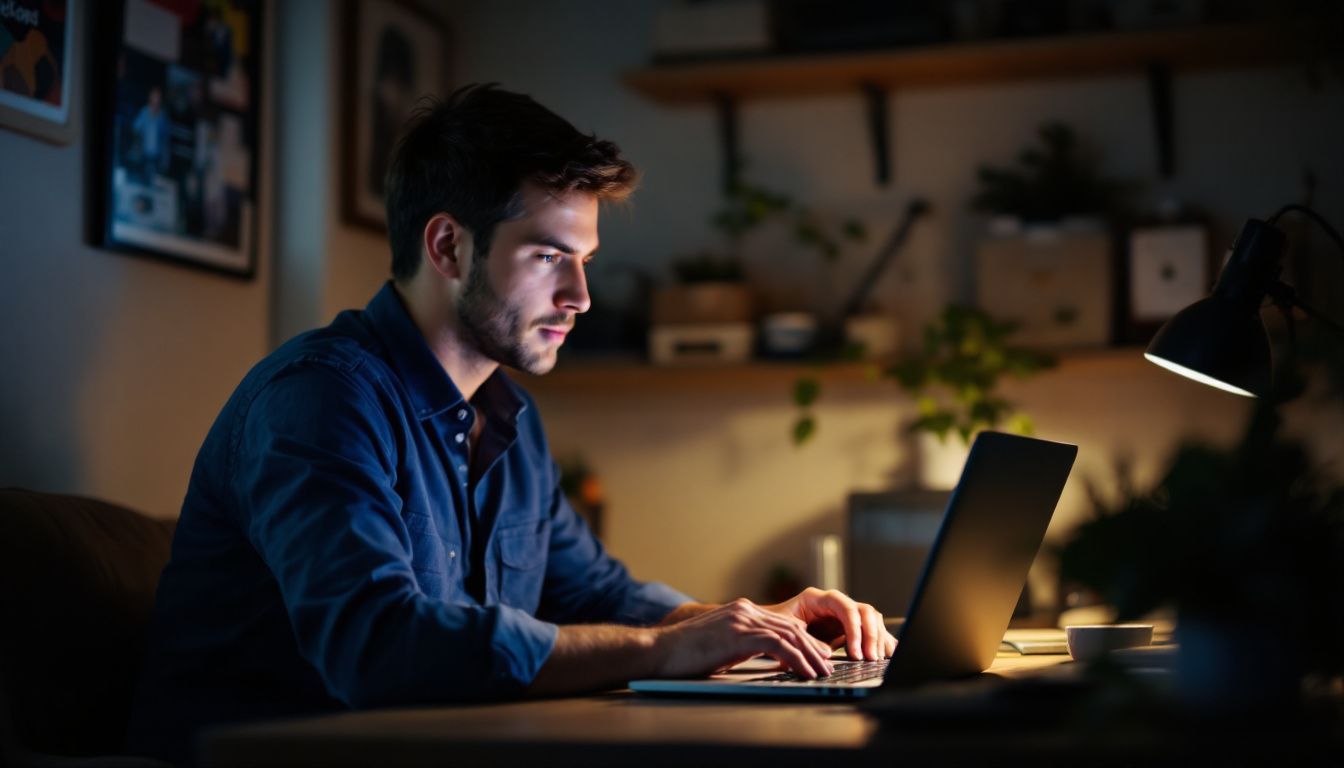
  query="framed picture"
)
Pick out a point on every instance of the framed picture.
point(1167, 269)
point(175, 130)
point(395, 54)
point(37, 48)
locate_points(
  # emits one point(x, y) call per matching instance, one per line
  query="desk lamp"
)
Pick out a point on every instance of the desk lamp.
point(1220, 339)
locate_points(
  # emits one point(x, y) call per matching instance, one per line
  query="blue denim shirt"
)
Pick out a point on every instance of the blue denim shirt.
point(338, 549)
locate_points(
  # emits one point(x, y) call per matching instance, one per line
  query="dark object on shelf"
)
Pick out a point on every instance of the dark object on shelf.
point(812, 26)
point(1033, 18)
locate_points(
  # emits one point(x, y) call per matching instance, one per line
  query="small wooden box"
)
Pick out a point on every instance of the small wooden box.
point(700, 344)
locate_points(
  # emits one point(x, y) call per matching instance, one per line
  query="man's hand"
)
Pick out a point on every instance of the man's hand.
point(697, 639)
point(832, 616)
point(720, 637)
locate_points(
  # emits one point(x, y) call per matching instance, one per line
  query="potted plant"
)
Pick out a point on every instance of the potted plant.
point(1246, 545)
point(711, 287)
point(1046, 262)
point(954, 378)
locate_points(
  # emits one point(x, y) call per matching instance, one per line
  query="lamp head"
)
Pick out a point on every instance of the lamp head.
point(1220, 339)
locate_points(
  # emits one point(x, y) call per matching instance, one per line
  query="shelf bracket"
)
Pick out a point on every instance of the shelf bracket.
point(1159, 97)
point(726, 107)
point(876, 98)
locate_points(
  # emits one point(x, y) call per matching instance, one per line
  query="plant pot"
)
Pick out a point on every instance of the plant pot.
point(1232, 668)
point(938, 463)
point(877, 335)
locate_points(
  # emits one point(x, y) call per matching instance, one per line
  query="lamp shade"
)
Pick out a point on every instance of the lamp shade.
point(1216, 342)
point(1220, 340)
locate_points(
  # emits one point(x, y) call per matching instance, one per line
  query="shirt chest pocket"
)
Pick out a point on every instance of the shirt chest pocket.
point(433, 559)
point(522, 558)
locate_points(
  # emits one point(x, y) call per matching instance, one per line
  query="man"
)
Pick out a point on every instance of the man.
point(374, 519)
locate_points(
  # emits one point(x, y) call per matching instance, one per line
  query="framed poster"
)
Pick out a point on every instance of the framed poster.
point(395, 54)
point(1168, 268)
point(176, 130)
point(37, 45)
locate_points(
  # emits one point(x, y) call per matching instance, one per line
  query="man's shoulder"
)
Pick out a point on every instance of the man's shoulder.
point(342, 354)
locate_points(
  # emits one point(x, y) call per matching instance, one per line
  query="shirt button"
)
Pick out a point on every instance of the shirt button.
point(459, 437)
point(452, 553)
point(462, 468)
point(461, 414)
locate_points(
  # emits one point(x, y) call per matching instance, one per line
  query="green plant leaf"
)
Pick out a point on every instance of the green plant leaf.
point(854, 230)
point(803, 429)
point(806, 390)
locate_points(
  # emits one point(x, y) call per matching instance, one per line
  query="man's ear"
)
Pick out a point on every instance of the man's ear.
point(447, 245)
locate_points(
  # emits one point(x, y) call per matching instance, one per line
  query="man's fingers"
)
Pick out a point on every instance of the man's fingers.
point(890, 643)
point(788, 654)
point(853, 633)
point(795, 632)
point(873, 632)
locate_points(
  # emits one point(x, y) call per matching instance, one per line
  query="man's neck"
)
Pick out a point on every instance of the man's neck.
point(463, 363)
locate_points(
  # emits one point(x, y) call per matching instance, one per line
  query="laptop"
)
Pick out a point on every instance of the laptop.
point(991, 531)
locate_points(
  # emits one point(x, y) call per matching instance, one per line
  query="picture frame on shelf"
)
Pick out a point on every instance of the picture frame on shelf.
point(1167, 268)
point(395, 54)
point(175, 131)
point(38, 49)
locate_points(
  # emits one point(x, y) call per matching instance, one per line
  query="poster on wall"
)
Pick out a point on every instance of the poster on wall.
point(395, 54)
point(36, 53)
point(178, 130)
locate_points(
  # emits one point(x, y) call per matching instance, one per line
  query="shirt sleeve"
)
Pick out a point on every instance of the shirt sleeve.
point(315, 472)
point(584, 584)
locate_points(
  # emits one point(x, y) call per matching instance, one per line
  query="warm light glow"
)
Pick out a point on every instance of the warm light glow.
point(1191, 373)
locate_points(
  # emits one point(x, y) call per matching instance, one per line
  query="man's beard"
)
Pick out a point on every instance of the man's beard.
point(496, 327)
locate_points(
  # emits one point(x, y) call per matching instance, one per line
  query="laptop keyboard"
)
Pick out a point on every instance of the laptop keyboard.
point(846, 673)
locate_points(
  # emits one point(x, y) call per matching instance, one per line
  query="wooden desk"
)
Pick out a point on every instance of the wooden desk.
point(623, 728)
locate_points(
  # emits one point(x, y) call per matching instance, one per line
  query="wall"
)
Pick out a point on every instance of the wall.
point(704, 490)
point(113, 366)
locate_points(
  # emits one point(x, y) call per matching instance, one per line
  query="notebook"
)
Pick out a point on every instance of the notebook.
point(991, 531)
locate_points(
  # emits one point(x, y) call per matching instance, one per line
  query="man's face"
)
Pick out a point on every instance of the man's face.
point(518, 304)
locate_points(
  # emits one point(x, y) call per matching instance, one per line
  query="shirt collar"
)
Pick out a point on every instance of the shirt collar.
point(431, 390)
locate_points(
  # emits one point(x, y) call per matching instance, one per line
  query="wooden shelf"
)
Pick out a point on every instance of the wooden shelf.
point(632, 376)
point(1100, 54)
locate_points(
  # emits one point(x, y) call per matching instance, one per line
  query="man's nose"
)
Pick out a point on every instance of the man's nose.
point(572, 294)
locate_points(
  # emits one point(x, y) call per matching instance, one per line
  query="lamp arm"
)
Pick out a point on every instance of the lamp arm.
point(1285, 297)
point(1318, 218)
point(1320, 317)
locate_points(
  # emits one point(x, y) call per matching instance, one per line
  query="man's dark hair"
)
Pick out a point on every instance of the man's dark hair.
point(470, 154)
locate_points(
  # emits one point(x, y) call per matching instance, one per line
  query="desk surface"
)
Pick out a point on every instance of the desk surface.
point(609, 728)
point(622, 728)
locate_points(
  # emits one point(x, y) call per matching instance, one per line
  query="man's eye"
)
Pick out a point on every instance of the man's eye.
point(547, 258)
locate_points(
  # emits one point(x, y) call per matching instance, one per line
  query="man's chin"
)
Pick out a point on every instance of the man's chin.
point(538, 365)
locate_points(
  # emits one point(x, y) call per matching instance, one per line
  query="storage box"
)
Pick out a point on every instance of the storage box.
point(700, 344)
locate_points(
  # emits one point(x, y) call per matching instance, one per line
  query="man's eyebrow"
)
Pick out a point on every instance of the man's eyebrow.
point(559, 245)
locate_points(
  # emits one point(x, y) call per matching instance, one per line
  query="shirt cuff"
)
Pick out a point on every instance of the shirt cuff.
point(649, 603)
point(522, 643)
